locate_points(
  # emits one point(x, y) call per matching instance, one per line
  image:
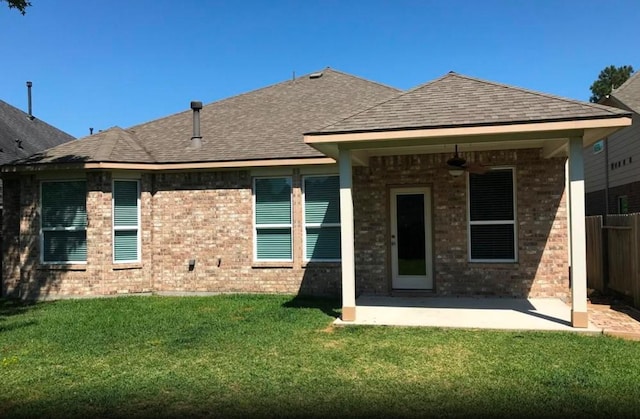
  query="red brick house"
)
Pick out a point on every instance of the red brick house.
point(325, 184)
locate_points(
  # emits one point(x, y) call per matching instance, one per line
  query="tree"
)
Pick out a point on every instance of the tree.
point(610, 78)
point(21, 5)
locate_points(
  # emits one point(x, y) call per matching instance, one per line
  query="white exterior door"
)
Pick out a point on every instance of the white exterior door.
point(411, 258)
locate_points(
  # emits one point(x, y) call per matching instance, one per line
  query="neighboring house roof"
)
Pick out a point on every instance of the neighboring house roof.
point(455, 100)
point(267, 123)
point(629, 93)
point(21, 136)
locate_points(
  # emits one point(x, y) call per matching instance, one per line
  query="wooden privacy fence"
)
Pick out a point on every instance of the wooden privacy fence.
point(595, 256)
point(613, 254)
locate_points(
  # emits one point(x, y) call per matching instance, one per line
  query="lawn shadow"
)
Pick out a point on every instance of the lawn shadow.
point(10, 308)
point(13, 307)
point(327, 305)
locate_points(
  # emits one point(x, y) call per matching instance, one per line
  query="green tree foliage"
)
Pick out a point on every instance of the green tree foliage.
point(610, 78)
point(21, 5)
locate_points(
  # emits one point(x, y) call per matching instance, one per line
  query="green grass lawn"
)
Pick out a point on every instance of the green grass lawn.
point(277, 356)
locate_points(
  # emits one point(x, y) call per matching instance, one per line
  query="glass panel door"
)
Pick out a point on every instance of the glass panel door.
point(411, 238)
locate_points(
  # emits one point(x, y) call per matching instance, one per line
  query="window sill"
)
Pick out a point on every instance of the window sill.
point(124, 266)
point(493, 262)
point(323, 263)
point(62, 267)
point(261, 265)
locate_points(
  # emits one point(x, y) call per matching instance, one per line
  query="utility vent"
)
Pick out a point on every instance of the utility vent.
point(196, 139)
point(315, 75)
point(31, 117)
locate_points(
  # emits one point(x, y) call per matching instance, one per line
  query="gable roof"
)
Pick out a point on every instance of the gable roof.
point(629, 93)
point(455, 100)
point(21, 136)
point(267, 123)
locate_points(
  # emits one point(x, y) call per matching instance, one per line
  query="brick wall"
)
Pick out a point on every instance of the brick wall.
point(207, 217)
point(542, 267)
point(24, 276)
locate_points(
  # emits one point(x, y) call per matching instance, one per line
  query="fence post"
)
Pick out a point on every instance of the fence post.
point(635, 262)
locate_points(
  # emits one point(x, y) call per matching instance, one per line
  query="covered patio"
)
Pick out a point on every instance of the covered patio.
point(466, 312)
point(529, 243)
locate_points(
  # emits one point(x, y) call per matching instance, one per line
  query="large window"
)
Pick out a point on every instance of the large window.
point(272, 223)
point(63, 233)
point(321, 218)
point(492, 227)
point(126, 221)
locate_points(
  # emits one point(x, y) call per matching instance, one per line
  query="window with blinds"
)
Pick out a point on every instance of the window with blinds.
point(492, 209)
point(273, 219)
point(321, 218)
point(126, 221)
point(63, 232)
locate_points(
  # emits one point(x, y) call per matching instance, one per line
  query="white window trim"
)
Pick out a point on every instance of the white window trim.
point(271, 226)
point(494, 222)
point(43, 229)
point(312, 225)
point(115, 228)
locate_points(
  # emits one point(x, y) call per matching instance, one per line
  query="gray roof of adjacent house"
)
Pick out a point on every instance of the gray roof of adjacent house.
point(21, 136)
point(457, 100)
point(629, 92)
point(267, 123)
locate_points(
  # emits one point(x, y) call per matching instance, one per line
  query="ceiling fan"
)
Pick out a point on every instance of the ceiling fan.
point(457, 165)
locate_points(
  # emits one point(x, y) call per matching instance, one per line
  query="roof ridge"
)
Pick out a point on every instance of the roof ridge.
point(360, 78)
point(133, 137)
point(106, 147)
point(626, 83)
point(35, 118)
point(260, 89)
point(534, 92)
point(112, 136)
point(271, 86)
point(400, 94)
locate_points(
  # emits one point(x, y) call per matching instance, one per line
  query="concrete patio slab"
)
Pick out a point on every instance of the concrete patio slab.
point(469, 313)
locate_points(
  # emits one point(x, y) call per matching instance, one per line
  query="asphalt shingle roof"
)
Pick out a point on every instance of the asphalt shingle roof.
point(629, 92)
point(267, 123)
point(21, 136)
point(457, 100)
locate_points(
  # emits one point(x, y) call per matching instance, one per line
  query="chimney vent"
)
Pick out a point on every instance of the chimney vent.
point(196, 139)
point(29, 84)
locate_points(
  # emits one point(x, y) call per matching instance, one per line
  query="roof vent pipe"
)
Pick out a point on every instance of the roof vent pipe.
point(196, 139)
point(29, 84)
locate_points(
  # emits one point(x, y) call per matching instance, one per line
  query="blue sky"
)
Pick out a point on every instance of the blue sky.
point(122, 62)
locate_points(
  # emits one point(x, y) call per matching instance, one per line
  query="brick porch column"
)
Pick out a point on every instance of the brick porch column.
point(346, 238)
point(579, 316)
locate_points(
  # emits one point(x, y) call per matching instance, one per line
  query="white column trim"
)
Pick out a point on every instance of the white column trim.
point(577, 234)
point(347, 234)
